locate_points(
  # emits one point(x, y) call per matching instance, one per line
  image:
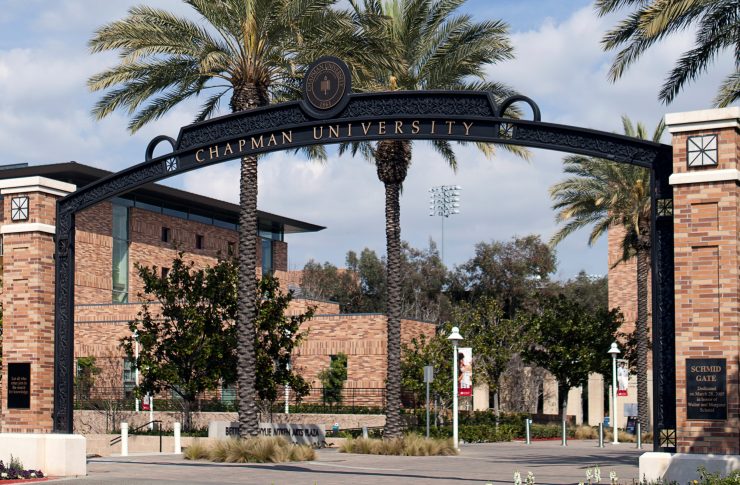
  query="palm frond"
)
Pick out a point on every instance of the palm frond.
point(729, 90)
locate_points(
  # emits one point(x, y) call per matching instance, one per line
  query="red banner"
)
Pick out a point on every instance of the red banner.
point(465, 372)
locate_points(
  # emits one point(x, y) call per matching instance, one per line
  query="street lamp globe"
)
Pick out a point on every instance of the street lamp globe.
point(455, 336)
point(614, 350)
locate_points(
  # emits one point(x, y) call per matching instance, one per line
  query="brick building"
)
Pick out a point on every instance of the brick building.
point(149, 226)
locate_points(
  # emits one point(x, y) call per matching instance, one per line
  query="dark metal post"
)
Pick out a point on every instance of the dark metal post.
point(664, 349)
point(64, 321)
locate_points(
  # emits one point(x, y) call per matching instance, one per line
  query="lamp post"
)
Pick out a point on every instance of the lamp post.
point(287, 392)
point(455, 338)
point(136, 369)
point(444, 201)
point(614, 351)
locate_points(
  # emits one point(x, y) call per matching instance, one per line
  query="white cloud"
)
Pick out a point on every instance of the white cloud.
point(44, 118)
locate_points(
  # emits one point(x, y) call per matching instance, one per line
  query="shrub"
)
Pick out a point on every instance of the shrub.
point(262, 449)
point(585, 433)
point(409, 445)
point(706, 478)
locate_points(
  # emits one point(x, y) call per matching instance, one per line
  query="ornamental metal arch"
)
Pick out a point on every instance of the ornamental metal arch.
point(401, 115)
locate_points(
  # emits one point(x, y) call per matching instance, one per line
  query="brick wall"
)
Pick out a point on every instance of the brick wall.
point(707, 256)
point(28, 314)
point(362, 337)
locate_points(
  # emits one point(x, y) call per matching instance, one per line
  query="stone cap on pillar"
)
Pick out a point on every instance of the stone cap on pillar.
point(29, 203)
point(36, 184)
point(705, 119)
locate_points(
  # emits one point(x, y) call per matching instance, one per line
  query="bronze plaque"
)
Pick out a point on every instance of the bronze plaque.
point(19, 385)
point(326, 83)
point(706, 389)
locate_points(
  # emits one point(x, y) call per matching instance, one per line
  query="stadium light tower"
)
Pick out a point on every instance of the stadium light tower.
point(444, 201)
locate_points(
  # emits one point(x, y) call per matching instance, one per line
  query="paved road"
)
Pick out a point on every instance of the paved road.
point(478, 464)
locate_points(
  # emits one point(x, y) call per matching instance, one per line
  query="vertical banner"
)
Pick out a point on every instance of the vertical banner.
point(623, 377)
point(465, 372)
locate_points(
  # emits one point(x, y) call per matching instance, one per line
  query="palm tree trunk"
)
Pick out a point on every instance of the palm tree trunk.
point(393, 427)
point(642, 335)
point(248, 96)
point(392, 159)
point(246, 299)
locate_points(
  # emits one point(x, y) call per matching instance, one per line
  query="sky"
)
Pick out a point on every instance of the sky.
point(45, 118)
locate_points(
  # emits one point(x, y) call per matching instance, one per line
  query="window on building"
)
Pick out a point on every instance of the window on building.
point(266, 256)
point(166, 234)
point(165, 272)
point(198, 241)
point(231, 248)
point(120, 237)
point(129, 378)
point(228, 393)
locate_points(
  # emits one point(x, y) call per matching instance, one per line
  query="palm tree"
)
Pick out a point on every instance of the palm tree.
point(253, 51)
point(717, 28)
point(603, 194)
point(428, 46)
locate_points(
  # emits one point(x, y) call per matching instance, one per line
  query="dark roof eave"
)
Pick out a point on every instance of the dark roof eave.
point(81, 175)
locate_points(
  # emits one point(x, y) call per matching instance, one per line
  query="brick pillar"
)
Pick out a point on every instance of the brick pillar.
point(706, 199)
point(29, 213)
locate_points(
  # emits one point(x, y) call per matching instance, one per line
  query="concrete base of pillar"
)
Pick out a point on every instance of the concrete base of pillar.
point(58, 455)
point(682, 467)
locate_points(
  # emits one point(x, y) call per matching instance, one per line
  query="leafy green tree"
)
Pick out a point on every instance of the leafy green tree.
point(370, 271)
point(423, 280)
point(591, 291)
point(493, 338)
point(276, 337)
point(188, 344)
point(571, 342)
point(513, 272)
point(418, 44)
point(333, 378)
point(84, 381)
point(361, 286)
point(358, 288)
point(420, 352)
point(602, 194)
point(717, 24)
point(254, 52)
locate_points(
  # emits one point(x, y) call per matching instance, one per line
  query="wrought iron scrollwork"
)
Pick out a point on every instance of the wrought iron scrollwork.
point(477, 108)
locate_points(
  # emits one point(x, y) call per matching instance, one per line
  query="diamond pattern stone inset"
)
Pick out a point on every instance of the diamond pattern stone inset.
point(19, 208)
point(701, 150)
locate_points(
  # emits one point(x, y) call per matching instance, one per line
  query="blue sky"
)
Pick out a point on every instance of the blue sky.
point(45, 106)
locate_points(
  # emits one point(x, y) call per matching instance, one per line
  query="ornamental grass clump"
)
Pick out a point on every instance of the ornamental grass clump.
point(196, 451)
point(409, 445)
point(262, 449)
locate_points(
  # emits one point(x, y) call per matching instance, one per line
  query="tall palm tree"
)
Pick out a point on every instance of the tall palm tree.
point(603, 194)
point(250, 50)
point(428, 46)
point(717, 29)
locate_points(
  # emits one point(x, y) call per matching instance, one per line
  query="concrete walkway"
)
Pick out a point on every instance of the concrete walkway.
point(477, 463)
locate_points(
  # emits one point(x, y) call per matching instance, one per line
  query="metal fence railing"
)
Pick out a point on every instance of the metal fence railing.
point(352, 400)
